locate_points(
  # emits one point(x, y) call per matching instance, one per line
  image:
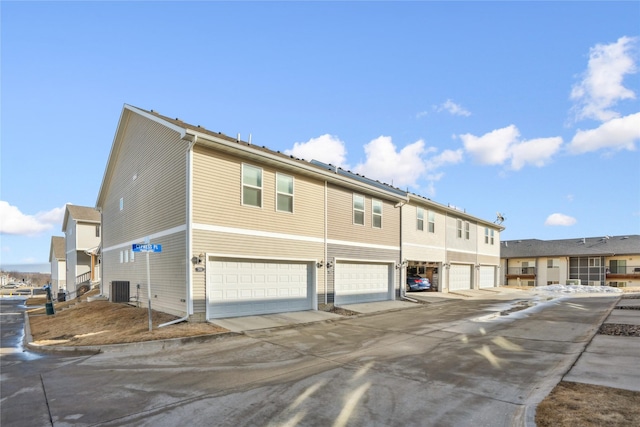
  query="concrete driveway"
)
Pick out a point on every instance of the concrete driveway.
point(454, 363)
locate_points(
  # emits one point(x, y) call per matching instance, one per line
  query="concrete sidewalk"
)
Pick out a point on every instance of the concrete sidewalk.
point(612, 360)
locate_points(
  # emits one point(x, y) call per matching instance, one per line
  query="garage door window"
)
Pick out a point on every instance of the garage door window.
point(251, 186)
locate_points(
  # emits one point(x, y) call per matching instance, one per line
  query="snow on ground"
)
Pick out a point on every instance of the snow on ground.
point(576, 289)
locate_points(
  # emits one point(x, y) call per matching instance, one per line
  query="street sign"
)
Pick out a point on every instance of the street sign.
point(146, 247)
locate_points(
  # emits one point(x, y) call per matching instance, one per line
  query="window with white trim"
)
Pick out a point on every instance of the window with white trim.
point(358, 209)
point(420, 218)
point(431, 220)
point(251, 186)
point(132, 257)
point(459, 228)
point(284, 193)
point(486, 235)
point(467, 228)
point(492, 236)
point(376, 213)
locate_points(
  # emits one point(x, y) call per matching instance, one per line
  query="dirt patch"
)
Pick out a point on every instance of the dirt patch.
point(585, 405)
point(82, 323)
point(343, 311)
point(619, 329)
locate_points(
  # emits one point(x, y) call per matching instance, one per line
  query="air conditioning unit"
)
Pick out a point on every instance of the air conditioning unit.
point(618, 284)
point(574, 282)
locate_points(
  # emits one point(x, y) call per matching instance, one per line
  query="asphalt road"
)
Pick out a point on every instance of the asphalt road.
point(457, 363)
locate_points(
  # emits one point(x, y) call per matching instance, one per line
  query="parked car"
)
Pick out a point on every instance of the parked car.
point(11, 286)
point(417, 283)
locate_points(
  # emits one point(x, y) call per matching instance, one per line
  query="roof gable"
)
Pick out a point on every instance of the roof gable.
point(80, 214)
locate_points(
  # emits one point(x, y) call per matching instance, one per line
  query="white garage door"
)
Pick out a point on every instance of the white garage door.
point(362, 282)
point(459, 277)
point(249, 287)
point(487, 276)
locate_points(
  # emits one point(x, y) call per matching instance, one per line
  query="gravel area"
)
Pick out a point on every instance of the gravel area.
point(618, 329)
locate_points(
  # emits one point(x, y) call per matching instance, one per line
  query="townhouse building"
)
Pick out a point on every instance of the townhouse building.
point(82, 230)
point(597, 261)
point(58, 260)
point(245, 230)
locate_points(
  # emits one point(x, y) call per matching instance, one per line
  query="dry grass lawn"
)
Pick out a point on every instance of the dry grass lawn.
point(102, 322)
point(584, 405)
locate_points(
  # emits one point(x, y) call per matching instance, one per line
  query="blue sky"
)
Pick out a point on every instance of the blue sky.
point(526, 108)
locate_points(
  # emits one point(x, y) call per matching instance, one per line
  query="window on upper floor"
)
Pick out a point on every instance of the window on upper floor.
point(492, 236)
point(97, 231)
point(459, 228)
point(251, 186)
point(420, 218)
point(284, 193)
point(431, 218)
point(358, 209)
point(486, 235)
point(467, 230)
point(121, 203)
point(376, 213)
point(594, 262)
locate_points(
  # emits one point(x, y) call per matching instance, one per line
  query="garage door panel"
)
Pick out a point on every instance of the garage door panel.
point(258, 287)
point(459, 277)
point(361, 282)
point(487, 276)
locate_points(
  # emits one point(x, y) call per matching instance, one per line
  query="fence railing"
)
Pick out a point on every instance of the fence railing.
point(628, 270)
point(521, 271)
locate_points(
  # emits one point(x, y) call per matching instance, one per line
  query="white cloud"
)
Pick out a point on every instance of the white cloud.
point(536, 152)
point(325, 148)
point(422, 114)
point(12, 221)
point(616, 134)
point(560, 219)
point(502, 145)
point(601, 87)
point(399, 168)
point(452, 108)
point(447, 157)
point(491, 148)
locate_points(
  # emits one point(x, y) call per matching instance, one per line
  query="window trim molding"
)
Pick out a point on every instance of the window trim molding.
point(242, 186)
point(374, 214)
point(353, 209)
point(419, 218)
point(293, 189)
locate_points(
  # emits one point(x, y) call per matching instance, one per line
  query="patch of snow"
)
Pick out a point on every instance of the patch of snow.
point(577, 289)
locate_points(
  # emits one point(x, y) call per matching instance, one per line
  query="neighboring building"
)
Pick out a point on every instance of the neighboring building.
point(245, 230)
point(81, 226)
point(58, 260)
point(451, 248)
point(599, 261)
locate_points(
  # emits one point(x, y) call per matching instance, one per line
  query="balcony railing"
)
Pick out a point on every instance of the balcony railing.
point(521, 271)
point(83, 278)
point(623, 272)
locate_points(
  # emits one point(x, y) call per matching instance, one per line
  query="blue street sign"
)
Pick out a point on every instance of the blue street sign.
point(146, 247)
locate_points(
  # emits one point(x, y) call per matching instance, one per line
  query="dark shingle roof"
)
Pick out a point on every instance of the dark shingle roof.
point(590, 246)
point(57, 247)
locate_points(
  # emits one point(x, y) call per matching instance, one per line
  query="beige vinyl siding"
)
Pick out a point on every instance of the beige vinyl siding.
point(168, 274)
point(156, 199)
point(461, 243)
point(86, 236)
point(149, 173)
point(217, 197)
point(340, 224)
point(255, 247)
point(461, 257)
point(420, 245)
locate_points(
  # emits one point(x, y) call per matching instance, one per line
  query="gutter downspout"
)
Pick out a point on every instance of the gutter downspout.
point(189, 276)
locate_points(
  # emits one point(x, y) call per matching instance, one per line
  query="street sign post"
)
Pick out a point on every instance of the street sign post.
point(148, 248)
